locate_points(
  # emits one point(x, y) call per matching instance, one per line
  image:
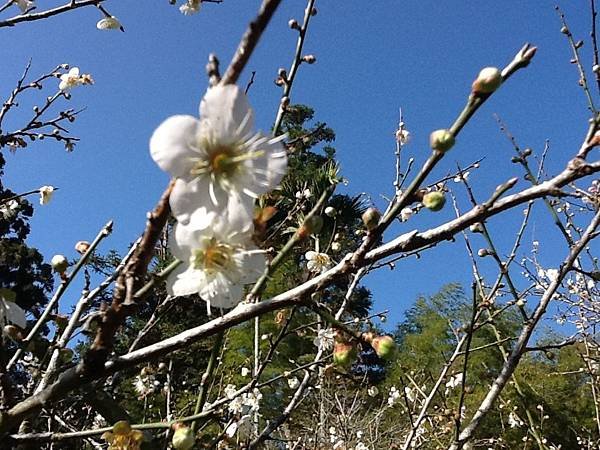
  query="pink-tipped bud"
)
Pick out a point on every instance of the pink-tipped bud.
point(488, 80)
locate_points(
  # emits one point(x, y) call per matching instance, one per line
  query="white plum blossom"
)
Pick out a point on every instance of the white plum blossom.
point(403, 136)
point(514, 421)
point(247, 403)
point(406, 213)
point(454, 381)
point(109, 23)
point(24, 5)
point(46, 193)
point(69, 80)
point(317, 262)
point(218, 157)
point(373, 391)
point(325, 339)
point(393, 397)
point(144, 385)
point(218, 257)
point(410, 394)
point(245, 371)
point(190, 7)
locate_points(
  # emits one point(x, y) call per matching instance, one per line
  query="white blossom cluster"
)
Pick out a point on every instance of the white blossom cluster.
point(220, 166)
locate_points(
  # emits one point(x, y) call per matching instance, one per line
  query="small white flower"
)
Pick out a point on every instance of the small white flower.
point(406, 213)
point(514, 421)
point(461, 177)
point(218, 257)
point(70, 79)
point(403, 136)
point(218, 157)
point(293, 383)
point(336, 246)
point(454, 381)
point(230, 391)
point(190, 7)
point(144, 385)
point(245, 371)
point(46, 193)
point(372, 391)
point(325, 339)
point(24, 5)
point(109, 23)
point(393, 397)
point(317, 262)
point(361, 446)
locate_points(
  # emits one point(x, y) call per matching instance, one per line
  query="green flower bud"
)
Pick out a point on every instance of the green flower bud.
point(371, 218)
point(183, 438)
point(441, 140)
point(311, 225)
point(384, 346)
point(343, 354)
point(121, 427)
point(434, 201)
point(488, 80)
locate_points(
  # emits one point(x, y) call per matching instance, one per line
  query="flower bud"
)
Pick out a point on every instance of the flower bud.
point(434, 201)
point(403, 136)
point(330, 211)
point(476, 228)
point(59, 263)
point(311, 225)
point(343, 354)
point(483, 252)
point(488, 80)
point(183, 438)
point(293, 24)
point(384, 346)
point(371, 218)
point(121, 427)
point(82, 246)
point(441, 140)
point(309, 59)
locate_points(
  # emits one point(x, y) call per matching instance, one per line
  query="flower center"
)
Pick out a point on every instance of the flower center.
point(225, 161)
point(214, 257)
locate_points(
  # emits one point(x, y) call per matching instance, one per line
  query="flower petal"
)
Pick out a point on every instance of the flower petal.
point(171, 145)
point(184, 281)
point(227, 110)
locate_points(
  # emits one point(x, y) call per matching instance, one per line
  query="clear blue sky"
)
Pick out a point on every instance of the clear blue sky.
point(372, 58)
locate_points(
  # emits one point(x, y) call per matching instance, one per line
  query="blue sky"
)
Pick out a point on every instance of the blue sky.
point(372, 58)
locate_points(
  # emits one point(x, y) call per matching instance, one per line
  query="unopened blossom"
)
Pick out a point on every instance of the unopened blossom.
point(293, 382)
point(59, 263)
point(24, 5)
point(190, 7)
point(109, 23)
point(218, 157)
point(372, 391)
point(336, 246)
point(317, 262)
point(46, 193)
point(218, 257)
point(245, 371)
